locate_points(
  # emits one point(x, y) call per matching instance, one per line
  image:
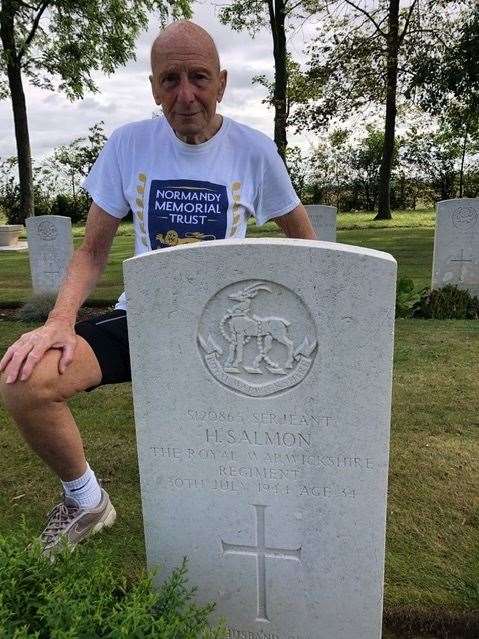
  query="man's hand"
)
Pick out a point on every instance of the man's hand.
point(24, 354)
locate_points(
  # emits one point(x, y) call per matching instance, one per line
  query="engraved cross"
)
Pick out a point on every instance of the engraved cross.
point(261, 552)
point(462, 258)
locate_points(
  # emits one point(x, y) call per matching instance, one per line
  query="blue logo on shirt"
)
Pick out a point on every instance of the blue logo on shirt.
point(186, 211)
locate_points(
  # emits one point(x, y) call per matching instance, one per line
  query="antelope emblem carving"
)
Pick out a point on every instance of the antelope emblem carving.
point(239, 326)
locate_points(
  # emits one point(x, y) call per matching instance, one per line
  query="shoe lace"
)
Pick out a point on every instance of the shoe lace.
point(58, 518)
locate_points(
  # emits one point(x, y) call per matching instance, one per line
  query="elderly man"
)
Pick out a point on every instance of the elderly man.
point(191, 175)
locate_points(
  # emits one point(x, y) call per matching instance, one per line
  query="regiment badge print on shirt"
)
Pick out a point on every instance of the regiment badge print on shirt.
point(186, 211)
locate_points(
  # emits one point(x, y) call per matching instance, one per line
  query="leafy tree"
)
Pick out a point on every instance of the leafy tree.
point(362, 60)
point(366, 162)
point(60, 44)
point(433, 156)
point(450, 90)
point(331, 168)
point(297, 168)
point(297, 88)
point(10, 192)
point(253, 15)
point(76, 159)
point(348, 169)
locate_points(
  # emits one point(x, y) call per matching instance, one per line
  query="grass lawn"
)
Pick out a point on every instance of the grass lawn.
point(409, 236)
point(432, 564)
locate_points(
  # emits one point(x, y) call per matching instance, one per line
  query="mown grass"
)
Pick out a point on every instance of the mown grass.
point(409, 237)
point(432, 559)
point(420, 218)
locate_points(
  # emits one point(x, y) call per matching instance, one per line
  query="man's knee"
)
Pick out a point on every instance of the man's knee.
point(43, 385)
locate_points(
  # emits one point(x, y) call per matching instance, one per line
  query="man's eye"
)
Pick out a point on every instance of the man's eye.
point(169, 79)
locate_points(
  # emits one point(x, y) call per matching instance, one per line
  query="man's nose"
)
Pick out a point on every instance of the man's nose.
point(186, 91)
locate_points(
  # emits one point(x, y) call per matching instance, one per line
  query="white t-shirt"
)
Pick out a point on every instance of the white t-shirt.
point(182, 193)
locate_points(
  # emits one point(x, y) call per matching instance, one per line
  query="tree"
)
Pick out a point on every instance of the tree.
point(451, 90)
point(297, 168)
point(297, 89)
point(366, 164)
point(76, 159)
point(10, 191)
point(253, 15)
point(330, 168)
point(60, 43)
point(433, 156)
point(362, 59)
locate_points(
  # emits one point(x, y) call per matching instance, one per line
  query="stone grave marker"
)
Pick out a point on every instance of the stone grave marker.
point(262, 391)
point(9, 235)
point(323, 219)
point(50, 246)
point(456, 245)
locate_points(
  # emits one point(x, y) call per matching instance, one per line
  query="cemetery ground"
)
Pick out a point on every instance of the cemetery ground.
point(432, 554)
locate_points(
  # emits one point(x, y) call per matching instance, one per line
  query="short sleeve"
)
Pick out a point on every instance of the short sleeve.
point(275, 195)
point(104, 183)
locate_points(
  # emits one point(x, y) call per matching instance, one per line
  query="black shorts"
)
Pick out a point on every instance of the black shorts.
point(108, 336)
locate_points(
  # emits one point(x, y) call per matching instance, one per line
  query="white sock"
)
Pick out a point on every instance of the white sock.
point(85, 490)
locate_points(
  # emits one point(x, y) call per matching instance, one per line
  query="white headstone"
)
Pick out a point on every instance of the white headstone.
point(50, 246)
point(323, 219)
point(456, 245)
point(262, 390)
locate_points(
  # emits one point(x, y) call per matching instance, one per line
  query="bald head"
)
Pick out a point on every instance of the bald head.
point(187, 36)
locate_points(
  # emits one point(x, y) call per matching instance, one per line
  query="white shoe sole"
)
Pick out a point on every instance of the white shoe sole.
point(104, 523)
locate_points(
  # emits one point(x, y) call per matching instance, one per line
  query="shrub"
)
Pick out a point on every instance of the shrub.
point(74, 208)
point(82, 596)
point(449, 302)
point(37, 308)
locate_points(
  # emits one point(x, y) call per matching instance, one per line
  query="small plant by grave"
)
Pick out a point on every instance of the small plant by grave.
point(82, 595)
point(37, 308)
point(406, 297)
point(449, 302)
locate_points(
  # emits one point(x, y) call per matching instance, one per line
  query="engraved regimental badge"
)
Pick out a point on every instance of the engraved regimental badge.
point(257, 337)
point(47, 230)
point(464, 217)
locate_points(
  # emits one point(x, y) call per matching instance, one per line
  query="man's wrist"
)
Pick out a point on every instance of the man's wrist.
point(61, 316)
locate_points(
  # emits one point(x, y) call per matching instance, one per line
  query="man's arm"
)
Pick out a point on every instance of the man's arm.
point(296, 224)
point(84, 270)
point(86, 265)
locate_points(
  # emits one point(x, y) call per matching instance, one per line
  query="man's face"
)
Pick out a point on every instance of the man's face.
point(187, 83)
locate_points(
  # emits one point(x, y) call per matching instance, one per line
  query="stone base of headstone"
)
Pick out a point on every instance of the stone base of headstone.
point(9, 234)
point(323, 219)
point(456, 245)
point(262, 377)
point(50, 249)
point(19, 246)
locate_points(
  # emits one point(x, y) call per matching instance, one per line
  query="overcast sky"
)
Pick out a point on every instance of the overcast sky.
point(125, 96)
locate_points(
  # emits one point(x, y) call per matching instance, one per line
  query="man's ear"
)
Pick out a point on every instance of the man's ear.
point(154, 89)
point(223, 80)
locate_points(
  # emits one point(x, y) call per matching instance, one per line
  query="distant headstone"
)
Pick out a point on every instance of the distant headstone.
point(456, 245)
point(50, 249)
point(323, 219)
point(262, 392)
